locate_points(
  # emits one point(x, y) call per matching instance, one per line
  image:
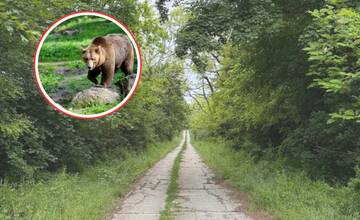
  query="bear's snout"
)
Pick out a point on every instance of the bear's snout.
point(90, 64)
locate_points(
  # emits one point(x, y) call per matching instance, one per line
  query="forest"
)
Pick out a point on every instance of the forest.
point(285, 80)
point(273, 103)
point(279, 85)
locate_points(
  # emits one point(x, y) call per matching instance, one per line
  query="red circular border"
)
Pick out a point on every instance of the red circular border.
point(99, 116)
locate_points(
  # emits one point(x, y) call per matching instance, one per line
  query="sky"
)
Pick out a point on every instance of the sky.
point(191, 77)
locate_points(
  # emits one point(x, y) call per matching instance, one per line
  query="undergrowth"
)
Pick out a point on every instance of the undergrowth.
point(89, 195)
point(286, 194)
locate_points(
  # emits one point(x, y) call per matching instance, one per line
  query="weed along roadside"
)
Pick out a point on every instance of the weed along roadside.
point(284, 194)
point(173, 187)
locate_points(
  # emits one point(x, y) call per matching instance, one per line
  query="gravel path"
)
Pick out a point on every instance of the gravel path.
point(148, 197)
point(199, 197)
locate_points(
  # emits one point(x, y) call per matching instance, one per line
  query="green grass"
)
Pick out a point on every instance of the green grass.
point(173, 186)
point(94, 109)
point(78, 84)
point(67, 48)
point(51, 81)
point(285, 194)
point(90, 195)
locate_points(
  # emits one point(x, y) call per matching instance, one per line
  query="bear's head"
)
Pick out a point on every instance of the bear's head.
point(93, 56)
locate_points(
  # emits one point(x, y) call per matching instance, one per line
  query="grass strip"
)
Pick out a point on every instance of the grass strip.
point(173, 186)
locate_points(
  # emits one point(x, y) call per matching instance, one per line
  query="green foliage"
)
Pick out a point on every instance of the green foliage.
point(271, 96)
point(90, 195)
point(51, 81)
point(286, 194)
point(333, 48)
point(325, 151)
point(214, 23)
point(36, 140)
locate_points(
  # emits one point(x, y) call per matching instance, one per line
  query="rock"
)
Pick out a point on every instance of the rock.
point(56, 34)
point(95, 95)
point(70, 32)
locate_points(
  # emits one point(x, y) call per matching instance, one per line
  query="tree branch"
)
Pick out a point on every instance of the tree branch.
point(204, 93)
point(216, 58)
point(209, 83)
point(197, 102)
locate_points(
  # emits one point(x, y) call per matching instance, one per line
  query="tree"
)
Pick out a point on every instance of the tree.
point(333, 48)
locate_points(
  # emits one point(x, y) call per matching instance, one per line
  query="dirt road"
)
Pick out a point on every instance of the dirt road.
point(199, 196)
point(148, 197)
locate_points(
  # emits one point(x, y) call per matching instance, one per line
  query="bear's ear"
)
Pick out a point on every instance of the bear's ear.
point(97, 49)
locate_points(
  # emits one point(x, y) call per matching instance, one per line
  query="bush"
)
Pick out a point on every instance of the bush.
point(325, 151)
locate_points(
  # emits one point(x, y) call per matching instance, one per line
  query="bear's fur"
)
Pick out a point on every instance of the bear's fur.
point(106, 55)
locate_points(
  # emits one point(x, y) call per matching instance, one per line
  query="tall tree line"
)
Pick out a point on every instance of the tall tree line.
point(281, 79)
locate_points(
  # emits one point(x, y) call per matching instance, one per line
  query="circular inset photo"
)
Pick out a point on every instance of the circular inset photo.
point(87, 65)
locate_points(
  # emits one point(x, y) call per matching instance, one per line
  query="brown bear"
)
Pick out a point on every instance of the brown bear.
point(106, 55)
